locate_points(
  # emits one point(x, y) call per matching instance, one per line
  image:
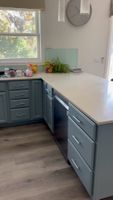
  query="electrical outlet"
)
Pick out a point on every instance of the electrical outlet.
point(99, 60)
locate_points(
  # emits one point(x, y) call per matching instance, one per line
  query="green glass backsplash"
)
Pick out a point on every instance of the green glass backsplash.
point(67, 56)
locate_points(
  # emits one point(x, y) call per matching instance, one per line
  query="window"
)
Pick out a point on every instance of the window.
point(109, 70)
point(20, 38)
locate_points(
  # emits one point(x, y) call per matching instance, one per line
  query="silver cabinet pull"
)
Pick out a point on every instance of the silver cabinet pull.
point(75, 139)
point(75, 164)
point(22, 85)
point(20, 115)
point(76, 119)
point(47, 91)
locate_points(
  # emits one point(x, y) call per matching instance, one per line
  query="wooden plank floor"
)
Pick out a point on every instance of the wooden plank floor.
point(32, 167)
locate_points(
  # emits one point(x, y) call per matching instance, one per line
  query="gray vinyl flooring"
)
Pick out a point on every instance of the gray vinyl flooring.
point(32, 167)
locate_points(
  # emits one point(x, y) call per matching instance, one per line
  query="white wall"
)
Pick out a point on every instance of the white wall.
point(91, 39)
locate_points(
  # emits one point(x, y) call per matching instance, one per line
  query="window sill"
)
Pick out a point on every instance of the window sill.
point(17, 62)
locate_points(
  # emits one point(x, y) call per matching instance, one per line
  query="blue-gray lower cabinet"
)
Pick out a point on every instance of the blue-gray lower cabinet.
point(36, 99)
point(82, 169)
point(3, 108)
point(90, 152)
point(103, 163)
point(20, 102)
point(48, 106)
point(44, 102)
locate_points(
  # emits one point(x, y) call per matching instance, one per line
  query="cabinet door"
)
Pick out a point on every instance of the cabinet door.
point(36, 106)
point(49, 104)
point(44, 102)
point(3, 108)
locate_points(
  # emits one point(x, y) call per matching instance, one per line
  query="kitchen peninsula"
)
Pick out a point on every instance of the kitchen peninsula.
point(90, 121)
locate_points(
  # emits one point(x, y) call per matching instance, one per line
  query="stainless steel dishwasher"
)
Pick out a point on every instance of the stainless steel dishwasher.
point(61, 123)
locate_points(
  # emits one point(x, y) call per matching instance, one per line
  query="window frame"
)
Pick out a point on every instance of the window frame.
point(23, 61)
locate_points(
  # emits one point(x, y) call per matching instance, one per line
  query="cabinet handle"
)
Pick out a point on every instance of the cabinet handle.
point(62, 103)
point(47, 91)
point(20, 114)
point(20, 96)
point(77, 167)
point(75, 139)
point(20, 86)
point(21, 104)
point(76, 119)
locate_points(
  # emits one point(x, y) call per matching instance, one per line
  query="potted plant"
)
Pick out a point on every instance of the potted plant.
point(56, 66)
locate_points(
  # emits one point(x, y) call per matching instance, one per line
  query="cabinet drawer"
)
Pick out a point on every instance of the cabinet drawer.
point(83, 121)
point(18, 85)
point(84, 172)
point(2, 87)
point(23, 94)
point(20, 114)
point(19, 103)
point(81, 141)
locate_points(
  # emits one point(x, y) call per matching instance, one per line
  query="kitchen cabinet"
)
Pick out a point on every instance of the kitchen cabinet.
point(44, 102)
point(20, 102)
point(81, 146)
point(48, 105)
point(3, 108)
point(36, 99)
point(90, 153)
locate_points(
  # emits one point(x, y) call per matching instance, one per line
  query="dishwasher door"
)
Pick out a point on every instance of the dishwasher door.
point(61, 124)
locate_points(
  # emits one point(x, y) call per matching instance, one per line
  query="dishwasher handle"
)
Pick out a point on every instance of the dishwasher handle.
point(62, 102)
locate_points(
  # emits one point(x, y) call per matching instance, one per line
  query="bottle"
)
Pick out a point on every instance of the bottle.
point(28, 73)
point(6, 72)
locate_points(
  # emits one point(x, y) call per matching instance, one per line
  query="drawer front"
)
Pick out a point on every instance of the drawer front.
point(19, 103)
point(21, 114)
point(84, 172)
point(23, 94)
point(18, 85)
point(81, 141)
point(2, 87)
point(83, 121)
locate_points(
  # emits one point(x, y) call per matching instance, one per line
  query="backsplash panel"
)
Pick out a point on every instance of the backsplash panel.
point(67, 56)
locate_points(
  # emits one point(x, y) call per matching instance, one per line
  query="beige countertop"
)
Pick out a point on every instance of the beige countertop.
point(91, 94)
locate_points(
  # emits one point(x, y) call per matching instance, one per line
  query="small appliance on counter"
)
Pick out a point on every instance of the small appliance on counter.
point(77, 70)
point(28, 73)
point(12, 72)
point(19, 73)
